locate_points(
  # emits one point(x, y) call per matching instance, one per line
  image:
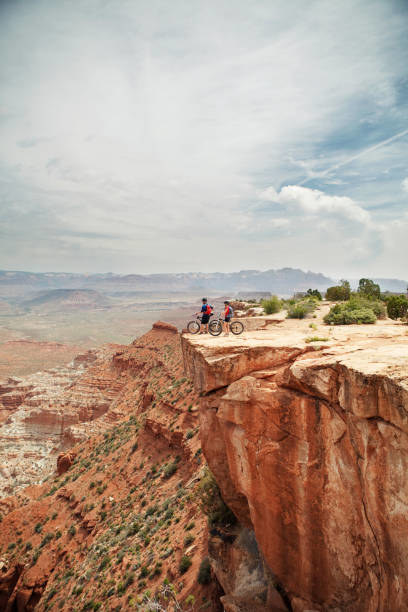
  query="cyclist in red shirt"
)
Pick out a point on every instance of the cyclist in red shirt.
point(228, 314)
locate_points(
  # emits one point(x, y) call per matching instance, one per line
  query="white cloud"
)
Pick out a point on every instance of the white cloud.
point(315, 202)
point(405, 184)
point(165, 122)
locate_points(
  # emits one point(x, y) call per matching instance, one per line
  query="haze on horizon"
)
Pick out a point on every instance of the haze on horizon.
point(146, 136)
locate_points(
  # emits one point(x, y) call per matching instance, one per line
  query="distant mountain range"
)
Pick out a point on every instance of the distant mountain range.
point(285, 281)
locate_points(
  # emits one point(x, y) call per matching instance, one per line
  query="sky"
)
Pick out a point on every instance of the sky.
point(144, 136)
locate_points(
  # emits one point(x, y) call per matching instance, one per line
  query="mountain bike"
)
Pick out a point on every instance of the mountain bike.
point(216, 327)
point(194, 326)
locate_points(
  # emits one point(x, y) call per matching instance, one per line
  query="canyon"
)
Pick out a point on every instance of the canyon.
point(116, 521)
point(306, 439)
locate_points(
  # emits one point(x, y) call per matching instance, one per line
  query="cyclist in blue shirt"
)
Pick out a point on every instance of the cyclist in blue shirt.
point(206, 312)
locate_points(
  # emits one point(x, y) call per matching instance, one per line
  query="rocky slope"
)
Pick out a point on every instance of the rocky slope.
point(119, 522)
point(308, 443)
point(47, 412)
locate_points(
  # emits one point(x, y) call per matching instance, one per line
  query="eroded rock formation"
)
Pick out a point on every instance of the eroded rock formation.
point(310, 449)
point(47, 412)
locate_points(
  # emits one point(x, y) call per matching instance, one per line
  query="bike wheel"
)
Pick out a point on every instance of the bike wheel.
point(215, 328)
point(193, 327)
point(236, 327)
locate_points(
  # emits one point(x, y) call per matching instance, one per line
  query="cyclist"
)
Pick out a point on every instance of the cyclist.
point(228, 314)
point(206, 312)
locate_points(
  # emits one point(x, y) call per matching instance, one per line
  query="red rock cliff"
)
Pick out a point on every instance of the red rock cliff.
point(310, 450)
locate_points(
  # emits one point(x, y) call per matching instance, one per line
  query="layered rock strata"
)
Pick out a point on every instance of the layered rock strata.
point(309, 446)
point(47, 412)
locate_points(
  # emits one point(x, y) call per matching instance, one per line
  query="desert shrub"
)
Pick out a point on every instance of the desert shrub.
point(314, 293)
point(72, 530)
point(339, 293)
point(299, 310)
point(189, 539)
point(397, 307)
point(35, 556)
point(316, 339)
point(185, 563)
point(377, 306)
point(104, 563)
point(144, 571)
point(342, 314)
point(51, 593)
point(211, 502)
point(170, 469)
point(272, 304)
point(204, 572)
point(47, 538)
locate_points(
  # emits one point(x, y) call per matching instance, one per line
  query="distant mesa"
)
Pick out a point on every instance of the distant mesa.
point(57, 299)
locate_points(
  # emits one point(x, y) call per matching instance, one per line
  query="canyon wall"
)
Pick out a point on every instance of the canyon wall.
point(309, 447)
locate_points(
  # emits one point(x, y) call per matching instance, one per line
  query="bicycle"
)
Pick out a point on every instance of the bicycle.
point(215, 327)
point(194, 326)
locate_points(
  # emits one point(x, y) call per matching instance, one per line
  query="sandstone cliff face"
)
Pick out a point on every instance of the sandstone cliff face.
point(310, 450)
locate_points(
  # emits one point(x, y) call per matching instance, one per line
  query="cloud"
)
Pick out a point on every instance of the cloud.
point(315, 202)
point(153, 127)
point(405, 184)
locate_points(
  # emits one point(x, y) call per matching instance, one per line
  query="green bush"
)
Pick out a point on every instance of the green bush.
point(211, 502)
point(189, 539)
point(357, 301)
point(397, 307)
point(272, 304)
point(314, 293)
point(299, 310)
point(342, 314)
point(204, 573)
point(184, 564)
point(339, 293)
point(170, 469)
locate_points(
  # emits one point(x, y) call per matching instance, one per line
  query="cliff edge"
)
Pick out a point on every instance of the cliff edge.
point(308, 443)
